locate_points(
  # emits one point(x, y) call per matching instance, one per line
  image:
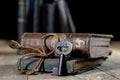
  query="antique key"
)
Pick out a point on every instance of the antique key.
point(62, 48)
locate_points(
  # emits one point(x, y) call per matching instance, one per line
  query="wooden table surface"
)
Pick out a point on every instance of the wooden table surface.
point(109, 70)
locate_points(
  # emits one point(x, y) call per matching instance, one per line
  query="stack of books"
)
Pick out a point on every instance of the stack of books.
point(89, 50)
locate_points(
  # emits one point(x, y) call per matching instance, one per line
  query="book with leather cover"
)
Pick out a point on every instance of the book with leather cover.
point(84, 44)
point(73, 65)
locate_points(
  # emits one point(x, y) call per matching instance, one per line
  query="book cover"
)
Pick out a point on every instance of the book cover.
point(89, 45)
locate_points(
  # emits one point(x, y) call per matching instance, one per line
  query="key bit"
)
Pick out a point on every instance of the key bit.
point(62, 48)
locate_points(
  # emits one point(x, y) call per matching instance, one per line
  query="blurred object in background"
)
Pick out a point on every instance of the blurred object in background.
point(44, 16)
point(86, 16)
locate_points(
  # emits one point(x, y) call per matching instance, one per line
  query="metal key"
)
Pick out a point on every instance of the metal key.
point(62, 48)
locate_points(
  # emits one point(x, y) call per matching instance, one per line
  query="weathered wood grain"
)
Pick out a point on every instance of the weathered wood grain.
point(111, 69)
point(95, 75)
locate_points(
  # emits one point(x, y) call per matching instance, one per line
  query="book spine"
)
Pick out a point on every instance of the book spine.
point(50, 17)
point(83, 45)
point(21, 18)
point(49, 64)
point(36, 16)
point(30, 16)
point(73, 65)
point(26, 14)
point(80, 42)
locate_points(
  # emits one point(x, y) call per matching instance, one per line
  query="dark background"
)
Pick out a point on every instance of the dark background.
point(89, 17)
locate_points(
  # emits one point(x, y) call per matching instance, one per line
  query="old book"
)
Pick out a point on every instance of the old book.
point(73, 65)
point(36, 13)
point(84, 44)
point(30, 16)
point(48, 17)
point(21, 17)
